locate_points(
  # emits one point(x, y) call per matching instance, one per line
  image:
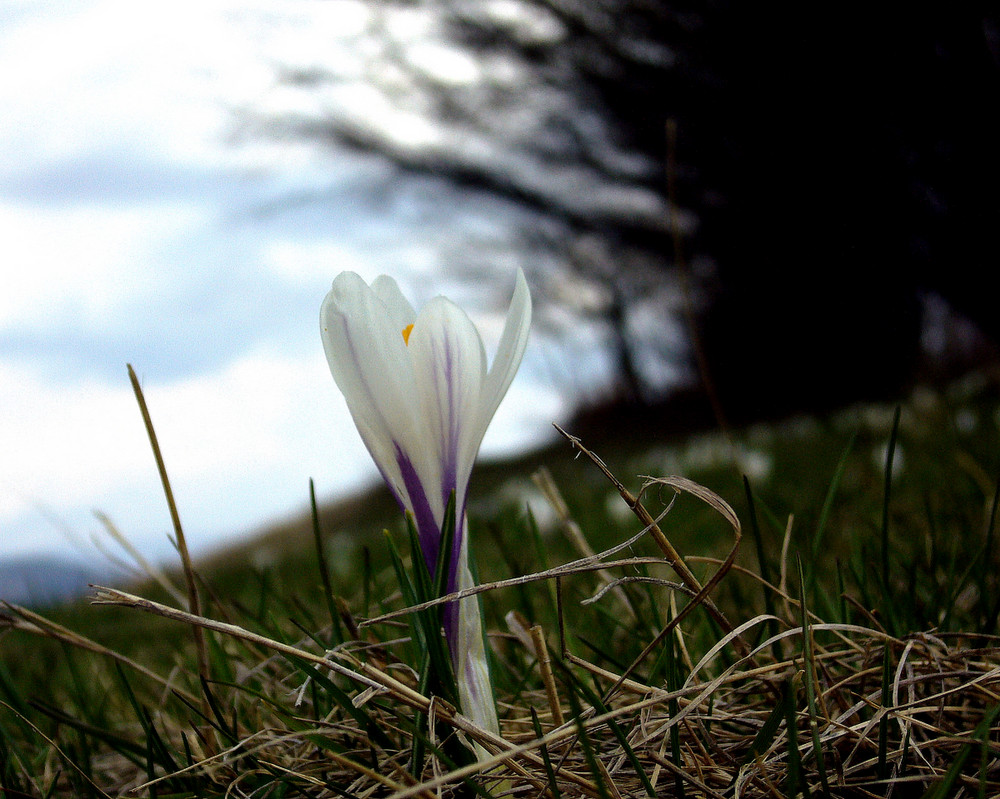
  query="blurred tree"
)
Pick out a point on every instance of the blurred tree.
point(861, 145)
point(831, 162)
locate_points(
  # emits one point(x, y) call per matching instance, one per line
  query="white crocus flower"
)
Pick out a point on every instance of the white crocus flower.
point(419, 391)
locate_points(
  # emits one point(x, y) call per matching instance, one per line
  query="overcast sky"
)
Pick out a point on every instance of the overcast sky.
point(134, 230)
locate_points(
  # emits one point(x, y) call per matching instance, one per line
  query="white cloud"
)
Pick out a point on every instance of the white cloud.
point(239, 445)
point(158, 76)
point(314, 262)
point(83, 260)
point(59, 445)
point(141, 91)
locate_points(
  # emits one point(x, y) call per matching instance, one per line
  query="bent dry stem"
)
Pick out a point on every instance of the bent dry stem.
point(679, 484)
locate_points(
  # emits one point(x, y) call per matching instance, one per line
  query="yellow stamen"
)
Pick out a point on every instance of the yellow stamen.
point(406, 334)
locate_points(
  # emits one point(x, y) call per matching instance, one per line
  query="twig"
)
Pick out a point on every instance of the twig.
point(543, 480)
point(672, 556)
point(545, 667)
point(574, 567)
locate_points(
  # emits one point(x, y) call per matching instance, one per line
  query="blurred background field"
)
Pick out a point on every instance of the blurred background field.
point(700, 194)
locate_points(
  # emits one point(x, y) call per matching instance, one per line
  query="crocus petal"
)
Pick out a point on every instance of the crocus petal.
point(400, 312)
point(510, 351)
point(475, 689)
point(496, 382)
point(507, 360)
point(449, 366)
point(369, 363)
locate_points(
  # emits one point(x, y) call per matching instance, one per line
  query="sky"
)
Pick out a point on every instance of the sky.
point(139, 226)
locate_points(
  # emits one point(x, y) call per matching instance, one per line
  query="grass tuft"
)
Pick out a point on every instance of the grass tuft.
point(680, 665)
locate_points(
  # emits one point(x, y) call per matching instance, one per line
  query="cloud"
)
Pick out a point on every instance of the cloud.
point(240, 446)
point(133, 234)
point(81, 262)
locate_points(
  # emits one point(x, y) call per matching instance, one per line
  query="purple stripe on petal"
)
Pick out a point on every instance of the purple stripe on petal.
point(427, 527)
point(429, 533)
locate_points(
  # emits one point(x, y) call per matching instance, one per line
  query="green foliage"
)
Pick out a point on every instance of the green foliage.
point(890, 515)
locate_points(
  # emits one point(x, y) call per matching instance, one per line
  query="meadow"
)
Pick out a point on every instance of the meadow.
point(806, 607)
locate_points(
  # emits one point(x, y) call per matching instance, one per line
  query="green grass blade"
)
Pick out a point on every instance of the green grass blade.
point(991, 526)
point(831, 493)
point(336, 632)
point(541, 555)
point(13, 697)
point(981, 735)
point(762, 561)
point(633, 759)
point(585, 744)
point(229, 731)
point(343, 700)
point(673, 707)
point(367, 579)
point(451, 754)
point(765, 569)
point(125, 747)
point(418, 744)
point(795, 771)
point(428, 650)
point(841, 593)
point(409, 596)
point(887, 603)
point(603, 654)
point(449, 532)
point(986, 571)
point(221, 665)
point(156, 749)
point(546, 760)
point(11, 762)
point(420, 577)
point(769, 729)
point(430, 621)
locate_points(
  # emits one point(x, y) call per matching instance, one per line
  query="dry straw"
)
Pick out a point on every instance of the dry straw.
point(781, 705)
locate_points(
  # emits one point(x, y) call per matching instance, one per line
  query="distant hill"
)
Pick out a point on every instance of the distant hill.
point(46, 580)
